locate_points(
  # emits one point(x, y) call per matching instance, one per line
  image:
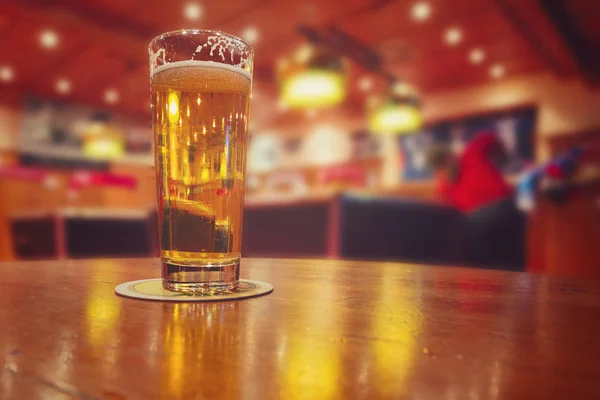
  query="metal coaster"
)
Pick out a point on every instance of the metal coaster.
point(151, 289)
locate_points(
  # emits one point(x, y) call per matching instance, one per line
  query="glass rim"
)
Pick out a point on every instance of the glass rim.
point(183, 32)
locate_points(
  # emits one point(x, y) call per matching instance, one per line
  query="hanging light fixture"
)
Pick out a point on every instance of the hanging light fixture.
point(398, 113)
point(312, 78)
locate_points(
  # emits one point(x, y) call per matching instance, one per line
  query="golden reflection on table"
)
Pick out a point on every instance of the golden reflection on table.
point(330, 330)
point(395, 354)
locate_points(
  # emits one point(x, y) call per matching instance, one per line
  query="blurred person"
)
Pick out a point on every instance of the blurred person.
point(473, 183)
point(472, 179)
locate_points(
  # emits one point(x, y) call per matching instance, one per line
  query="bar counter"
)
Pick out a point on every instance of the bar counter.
point(330, 330)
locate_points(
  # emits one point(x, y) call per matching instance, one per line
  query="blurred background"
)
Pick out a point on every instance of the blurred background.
point(350, 98)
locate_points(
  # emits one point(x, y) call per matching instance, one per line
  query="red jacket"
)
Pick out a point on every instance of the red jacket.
point(479, 181)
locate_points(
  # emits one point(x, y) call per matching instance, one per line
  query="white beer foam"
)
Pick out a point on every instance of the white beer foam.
point(202, 76)
point(203, 65)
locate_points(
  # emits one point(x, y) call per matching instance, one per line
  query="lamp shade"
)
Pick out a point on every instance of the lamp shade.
point(313, 88)
point(312, 78)
point(399, 113)
point(396, 118)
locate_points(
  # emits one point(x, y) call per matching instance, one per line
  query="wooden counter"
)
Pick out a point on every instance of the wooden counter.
point(330, 330)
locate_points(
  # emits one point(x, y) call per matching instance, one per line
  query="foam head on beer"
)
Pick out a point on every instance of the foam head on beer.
point(203, 76)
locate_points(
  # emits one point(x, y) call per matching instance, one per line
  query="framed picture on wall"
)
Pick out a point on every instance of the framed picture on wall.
point(515, 129)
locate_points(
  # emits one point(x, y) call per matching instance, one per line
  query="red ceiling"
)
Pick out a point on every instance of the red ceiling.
point(586, 13)
point(103, 42)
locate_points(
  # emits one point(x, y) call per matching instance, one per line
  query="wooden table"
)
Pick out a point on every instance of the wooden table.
point(330, 330)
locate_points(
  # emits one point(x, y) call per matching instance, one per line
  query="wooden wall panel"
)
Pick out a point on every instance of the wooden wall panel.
point(142, 197)
point(564, 238)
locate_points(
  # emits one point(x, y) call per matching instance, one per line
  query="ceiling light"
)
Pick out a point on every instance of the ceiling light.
point(496, 71)
point(453, 36)
point(192, 11)
point(476, 56)
point(420, 11)
point(398, 113)
point(250, 34)
point(396, 119)
point(314, 79)
point(317, 87)
point(7, 74)
point(63, 86)
point(49, 39)
point(365, 84)
point(111, 96)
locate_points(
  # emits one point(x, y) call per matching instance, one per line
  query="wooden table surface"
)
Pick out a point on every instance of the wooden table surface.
point(330, 330)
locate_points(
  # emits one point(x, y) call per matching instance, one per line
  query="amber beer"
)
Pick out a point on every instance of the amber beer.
point(200, 121)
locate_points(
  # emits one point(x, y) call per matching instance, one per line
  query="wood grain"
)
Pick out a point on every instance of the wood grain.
point(330, 330)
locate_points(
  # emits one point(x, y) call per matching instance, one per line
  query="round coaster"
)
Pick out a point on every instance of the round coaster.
point(151, 289)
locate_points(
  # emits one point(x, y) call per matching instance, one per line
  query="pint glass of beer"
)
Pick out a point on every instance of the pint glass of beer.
point(201, 83)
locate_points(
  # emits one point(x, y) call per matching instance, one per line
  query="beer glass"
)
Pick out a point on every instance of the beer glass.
point(201, 83)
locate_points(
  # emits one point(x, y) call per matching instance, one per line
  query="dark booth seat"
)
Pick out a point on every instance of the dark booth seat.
point(401, 229)
point(83, 233)
point(492, 236)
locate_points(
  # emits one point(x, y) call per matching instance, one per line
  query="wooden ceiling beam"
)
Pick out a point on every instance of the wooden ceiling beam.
point(519, 14)
point(582, 51)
